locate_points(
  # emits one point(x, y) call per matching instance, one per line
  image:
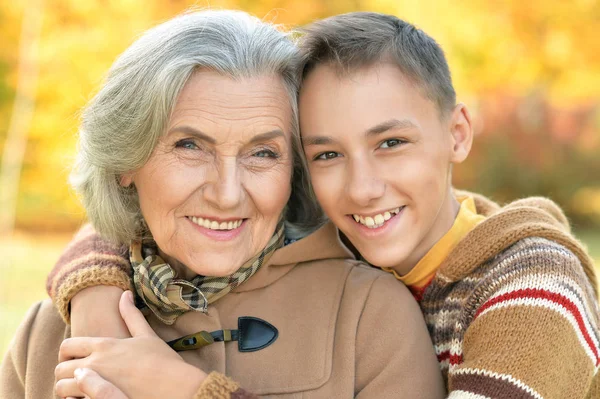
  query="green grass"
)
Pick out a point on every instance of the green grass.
point(26, 260)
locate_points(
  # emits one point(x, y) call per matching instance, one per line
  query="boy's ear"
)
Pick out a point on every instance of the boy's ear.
point(461, 130)
point(126, 179)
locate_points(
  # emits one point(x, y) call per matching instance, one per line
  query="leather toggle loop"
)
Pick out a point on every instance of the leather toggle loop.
point(253, 334)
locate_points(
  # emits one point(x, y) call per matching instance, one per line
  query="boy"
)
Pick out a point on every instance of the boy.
point(507, 293)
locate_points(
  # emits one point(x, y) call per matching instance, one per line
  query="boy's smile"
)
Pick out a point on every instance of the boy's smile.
point(380, 157)
point(377, 220)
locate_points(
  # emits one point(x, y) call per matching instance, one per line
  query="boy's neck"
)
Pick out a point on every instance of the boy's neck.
point(443, 224)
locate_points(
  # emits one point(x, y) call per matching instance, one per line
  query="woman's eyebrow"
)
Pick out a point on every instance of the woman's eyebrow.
point(267, 136)
point(194, 132)
point(203, 136)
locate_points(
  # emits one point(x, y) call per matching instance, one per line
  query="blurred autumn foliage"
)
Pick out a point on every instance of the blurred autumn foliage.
point(529, 71)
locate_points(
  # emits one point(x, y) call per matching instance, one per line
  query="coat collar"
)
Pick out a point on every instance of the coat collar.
point(323, 244)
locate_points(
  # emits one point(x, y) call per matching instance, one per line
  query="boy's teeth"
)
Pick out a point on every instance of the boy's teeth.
point(214, 225)
point(376, 221)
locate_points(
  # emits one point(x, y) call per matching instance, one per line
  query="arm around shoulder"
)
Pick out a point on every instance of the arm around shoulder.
point(395, 356)
point(89, 261)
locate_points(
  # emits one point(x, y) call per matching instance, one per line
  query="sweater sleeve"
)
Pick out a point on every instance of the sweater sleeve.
point(219, 386)
point(535, 333)
point(394, 358)
point(87, 261)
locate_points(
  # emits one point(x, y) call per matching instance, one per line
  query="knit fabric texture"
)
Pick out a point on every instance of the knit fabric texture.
point(88, 261)
point(219, 386)
point(513, 310)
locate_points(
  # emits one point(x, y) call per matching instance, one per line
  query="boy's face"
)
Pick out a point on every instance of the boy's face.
point(380, 159)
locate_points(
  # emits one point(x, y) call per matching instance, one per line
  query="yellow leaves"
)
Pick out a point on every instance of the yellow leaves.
point(587, 201)
point(510, 47)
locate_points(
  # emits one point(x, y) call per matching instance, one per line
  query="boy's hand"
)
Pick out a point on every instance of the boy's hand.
point(95, 313)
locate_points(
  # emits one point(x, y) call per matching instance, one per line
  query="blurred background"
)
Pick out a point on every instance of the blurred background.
point(529, 71)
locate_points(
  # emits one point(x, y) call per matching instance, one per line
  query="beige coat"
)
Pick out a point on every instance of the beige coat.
point(345, 330)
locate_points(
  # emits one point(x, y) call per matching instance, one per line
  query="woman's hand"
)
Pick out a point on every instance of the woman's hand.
point(95, 313)
point(143, 366)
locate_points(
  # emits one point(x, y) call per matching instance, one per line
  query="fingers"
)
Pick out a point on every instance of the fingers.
point(96, 387)
point(67, 388)
point(135, 320)
point(74, 348)
point(66, 370)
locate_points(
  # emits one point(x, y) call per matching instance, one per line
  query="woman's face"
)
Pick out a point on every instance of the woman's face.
point(216, 184)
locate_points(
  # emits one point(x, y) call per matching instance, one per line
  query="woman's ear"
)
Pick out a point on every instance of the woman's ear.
point(126, 180)
point(461, 130)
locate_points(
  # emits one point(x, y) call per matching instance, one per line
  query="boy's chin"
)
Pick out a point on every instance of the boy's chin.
point(380, 257)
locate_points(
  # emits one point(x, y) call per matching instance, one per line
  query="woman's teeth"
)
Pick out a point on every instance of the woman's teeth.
point(214, 225)
point(376, 221)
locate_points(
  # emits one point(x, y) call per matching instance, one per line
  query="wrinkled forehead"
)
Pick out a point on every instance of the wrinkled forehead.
point(224, 104)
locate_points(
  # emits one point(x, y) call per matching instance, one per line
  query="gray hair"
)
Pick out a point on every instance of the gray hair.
point(358, 39)
point(122, 124)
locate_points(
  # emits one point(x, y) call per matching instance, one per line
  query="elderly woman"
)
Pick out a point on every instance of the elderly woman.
point(189, 162)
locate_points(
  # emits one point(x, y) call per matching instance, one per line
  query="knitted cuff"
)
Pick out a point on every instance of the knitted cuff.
point(77, 280)
point(219, 386)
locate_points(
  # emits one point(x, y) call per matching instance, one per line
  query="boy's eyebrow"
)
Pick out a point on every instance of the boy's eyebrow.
point(318, 140)
point(390, 124)
point(373, 131)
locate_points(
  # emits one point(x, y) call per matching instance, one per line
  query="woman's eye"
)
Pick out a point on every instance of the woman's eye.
point(327, 155)
point(266, 154)
point(390, 143)
point(187, 144)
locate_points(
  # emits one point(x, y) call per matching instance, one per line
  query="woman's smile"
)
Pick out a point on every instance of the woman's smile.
point(219, 231)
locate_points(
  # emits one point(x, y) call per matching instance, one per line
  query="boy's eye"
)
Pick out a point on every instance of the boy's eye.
point(327, 155)
point(187, 144)
point(390, 143)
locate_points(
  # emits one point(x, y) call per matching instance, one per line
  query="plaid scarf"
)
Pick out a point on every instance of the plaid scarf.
point(168, 297)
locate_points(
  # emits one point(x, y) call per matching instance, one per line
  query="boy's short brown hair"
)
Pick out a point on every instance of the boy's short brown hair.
point(360, 39)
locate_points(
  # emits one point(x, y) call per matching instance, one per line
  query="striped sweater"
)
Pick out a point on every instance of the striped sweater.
point(512, 311)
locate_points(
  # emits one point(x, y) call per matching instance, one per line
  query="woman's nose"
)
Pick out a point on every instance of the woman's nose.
point(225, 191)
point(364, 185)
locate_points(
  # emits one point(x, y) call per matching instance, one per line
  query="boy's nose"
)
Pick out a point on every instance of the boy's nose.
point(364, 185)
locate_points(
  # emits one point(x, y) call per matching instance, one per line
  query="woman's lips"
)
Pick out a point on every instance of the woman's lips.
point(215, 230)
